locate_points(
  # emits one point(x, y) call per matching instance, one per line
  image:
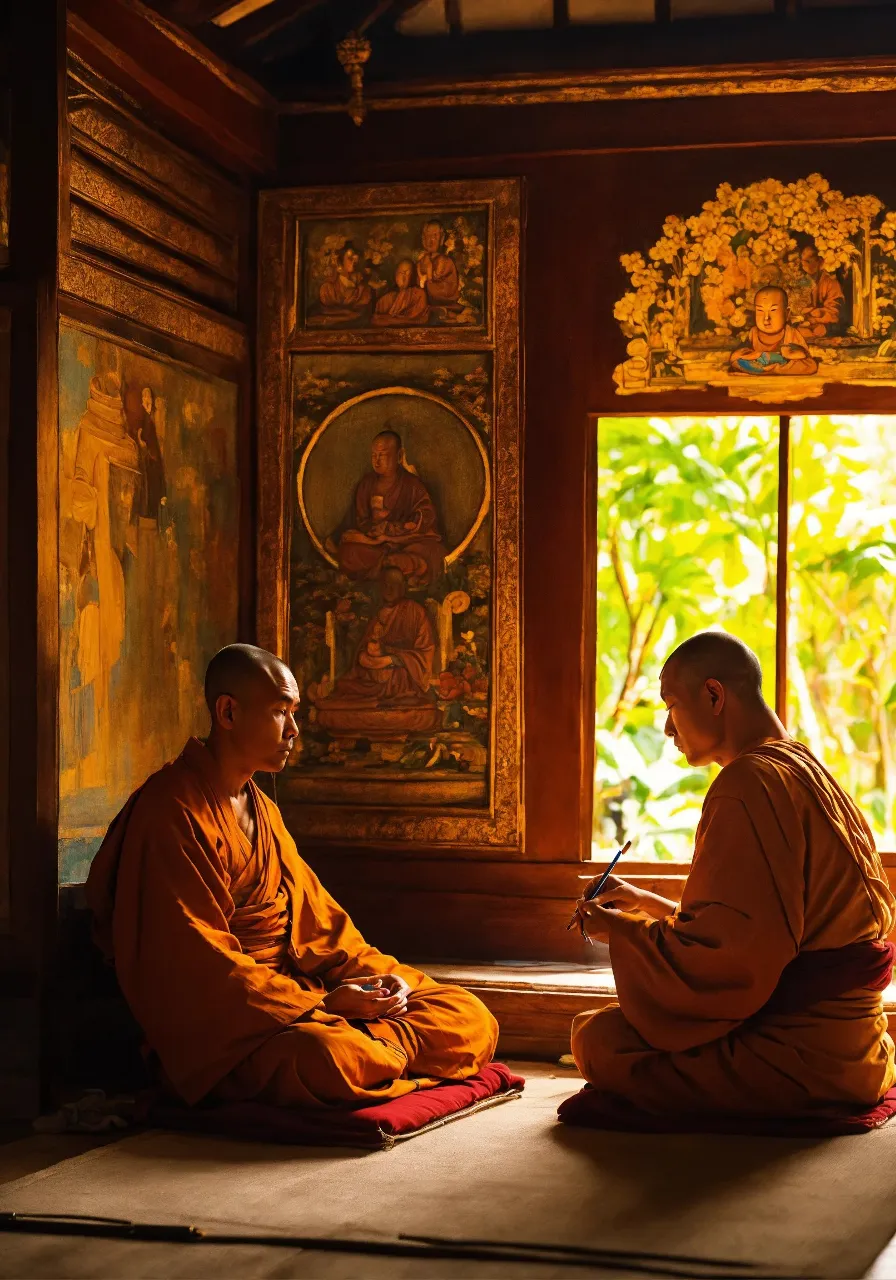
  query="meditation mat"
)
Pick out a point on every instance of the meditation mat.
point(376, 1128)
point(592, 1109)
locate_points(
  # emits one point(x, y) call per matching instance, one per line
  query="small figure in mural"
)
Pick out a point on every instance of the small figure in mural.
point(139, 406)
point(775, 345)
point(392, 521)
point(345, 294)
point(406, 303)
point(436, 272)
point(393, 666)
point(106, 478)
point(824, 300)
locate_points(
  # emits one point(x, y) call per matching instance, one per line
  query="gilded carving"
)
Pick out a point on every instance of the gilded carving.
point(154, 307)
point(389, 516)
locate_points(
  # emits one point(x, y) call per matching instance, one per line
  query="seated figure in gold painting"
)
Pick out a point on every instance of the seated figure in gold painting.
point(247, 979)
point(392, 521)
point(775, 346)
point(406, 303)
point(345, 294)
point(761, 993)
point(387, 692)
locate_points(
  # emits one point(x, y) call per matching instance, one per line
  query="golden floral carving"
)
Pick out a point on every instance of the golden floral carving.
point(499, 824)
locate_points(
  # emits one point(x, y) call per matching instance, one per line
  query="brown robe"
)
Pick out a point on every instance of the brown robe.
point(407, 501)
point(225, 951)
point(783, 864)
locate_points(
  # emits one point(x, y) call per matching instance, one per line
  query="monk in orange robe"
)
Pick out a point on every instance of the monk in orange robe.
point(775, 345)
point(825, 302)
point(436, 272)
point(406, 303)
point(247, 979)
point(761, 992)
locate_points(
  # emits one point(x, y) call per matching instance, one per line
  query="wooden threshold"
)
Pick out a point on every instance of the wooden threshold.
point(536, 1001)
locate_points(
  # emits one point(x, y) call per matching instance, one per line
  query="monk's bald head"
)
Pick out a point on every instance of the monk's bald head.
point(712, 688)
point(241, 670)
point(714, 655)
point(253, 701)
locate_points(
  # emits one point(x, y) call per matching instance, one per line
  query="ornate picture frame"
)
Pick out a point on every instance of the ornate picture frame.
point(389, 540)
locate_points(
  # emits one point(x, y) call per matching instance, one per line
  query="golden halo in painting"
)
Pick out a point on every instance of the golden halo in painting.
point(438, 445)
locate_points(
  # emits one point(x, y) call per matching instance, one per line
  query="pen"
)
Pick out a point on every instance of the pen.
point(600, 884)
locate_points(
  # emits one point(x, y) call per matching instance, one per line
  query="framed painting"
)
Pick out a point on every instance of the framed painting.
point(411, 264)
point(149, 531)
point(772, 291)
point(389, 578)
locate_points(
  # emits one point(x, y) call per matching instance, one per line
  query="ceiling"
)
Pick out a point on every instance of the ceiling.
point(289, 46)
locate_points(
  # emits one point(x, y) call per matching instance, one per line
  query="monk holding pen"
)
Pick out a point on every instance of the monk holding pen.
point(247, 979)
point(761, 993)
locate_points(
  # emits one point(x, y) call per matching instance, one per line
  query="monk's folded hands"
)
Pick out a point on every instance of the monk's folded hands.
point(365, 1000)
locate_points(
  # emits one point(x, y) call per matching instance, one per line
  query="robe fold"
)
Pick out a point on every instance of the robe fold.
point(225, 950)
point(784, 866)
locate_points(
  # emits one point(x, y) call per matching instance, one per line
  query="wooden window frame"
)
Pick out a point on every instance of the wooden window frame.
point(642, 868)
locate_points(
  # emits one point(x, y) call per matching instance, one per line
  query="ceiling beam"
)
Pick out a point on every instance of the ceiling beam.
point(453, 17)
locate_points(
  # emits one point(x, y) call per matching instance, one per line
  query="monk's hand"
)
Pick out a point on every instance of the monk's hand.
point(365, 1000)
point(396, 984)
point(597, 921)
point(619, 895)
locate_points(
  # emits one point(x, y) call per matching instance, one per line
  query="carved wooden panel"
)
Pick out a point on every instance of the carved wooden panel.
point(141, 204)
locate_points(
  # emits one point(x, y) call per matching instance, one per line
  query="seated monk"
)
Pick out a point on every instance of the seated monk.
point(247, 979)
point(406, 303)
point(392, 521)
point(775, 346)
point(345, 294)
point(761, 992)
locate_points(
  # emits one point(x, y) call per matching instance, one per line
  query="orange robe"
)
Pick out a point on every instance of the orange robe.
point(224, 951)
point(783, 864)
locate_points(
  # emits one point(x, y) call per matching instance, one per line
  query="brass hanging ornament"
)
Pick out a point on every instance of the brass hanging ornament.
point(353, 52)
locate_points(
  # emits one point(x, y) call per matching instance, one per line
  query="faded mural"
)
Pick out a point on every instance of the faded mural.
point(772, 290)
point(391, 578)
point(148, 546)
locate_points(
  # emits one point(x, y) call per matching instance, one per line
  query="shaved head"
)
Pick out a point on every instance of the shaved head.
point(239, 669)
point(714, 655)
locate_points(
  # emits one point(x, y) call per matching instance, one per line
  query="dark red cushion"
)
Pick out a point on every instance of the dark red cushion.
point(377, 1127)
point(593, 1109)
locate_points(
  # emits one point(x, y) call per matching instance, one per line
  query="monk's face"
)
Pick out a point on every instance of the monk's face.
point(403, 273)
point(384, 456)
point(349, 261)
point(432, 237)
point(263, 725)
point(771, 310)
point(693, 715)
point(810, 260)
point(392, 585)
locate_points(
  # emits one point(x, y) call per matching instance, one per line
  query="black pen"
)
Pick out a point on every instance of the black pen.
point(600, 884)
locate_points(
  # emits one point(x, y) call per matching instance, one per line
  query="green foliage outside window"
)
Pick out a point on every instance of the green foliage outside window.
point(687, 541)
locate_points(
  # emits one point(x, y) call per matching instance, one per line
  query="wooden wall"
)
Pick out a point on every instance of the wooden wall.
point(598, 180)
point(133, 197)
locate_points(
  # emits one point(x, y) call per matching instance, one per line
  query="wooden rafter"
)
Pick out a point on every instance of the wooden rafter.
point(453, 17)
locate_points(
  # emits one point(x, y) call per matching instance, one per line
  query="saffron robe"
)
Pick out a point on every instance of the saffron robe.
point(224, 952)
point(403, 632)
point(402, 306)
point(784, 864)
point(775, 353)
point(410, 510)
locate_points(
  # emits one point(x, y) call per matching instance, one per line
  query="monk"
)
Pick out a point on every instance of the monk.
point(436, 272)
point(775, 346)
point(825, 302)
point(392, 521)
point(761, 992)
point(247, 979)
point(406, 303)
point(345, 294)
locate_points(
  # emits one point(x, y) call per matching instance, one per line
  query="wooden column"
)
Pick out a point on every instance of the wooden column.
point(28, 296)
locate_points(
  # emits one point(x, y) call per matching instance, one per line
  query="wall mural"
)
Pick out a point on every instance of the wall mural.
point(408, 270)
point(148, 546)
point(772, 290)
point(392, 574)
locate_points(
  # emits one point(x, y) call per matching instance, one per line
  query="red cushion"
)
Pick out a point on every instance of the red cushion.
point(593, 1109)
point(377, 1127)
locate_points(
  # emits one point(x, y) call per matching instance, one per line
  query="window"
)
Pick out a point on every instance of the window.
point(688, 539)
